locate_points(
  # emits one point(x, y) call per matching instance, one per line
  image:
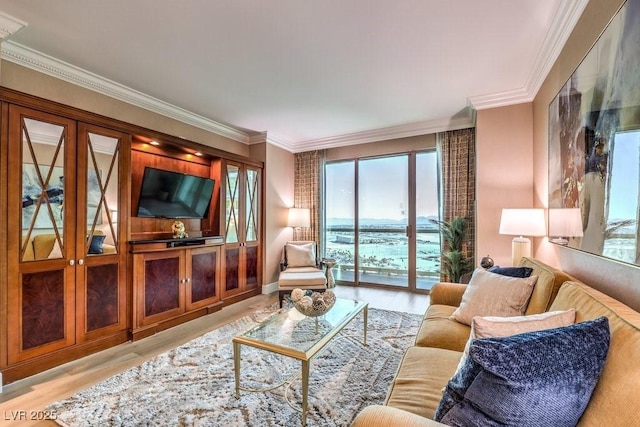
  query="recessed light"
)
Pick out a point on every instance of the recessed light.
point(197, 153)
point(156, 143)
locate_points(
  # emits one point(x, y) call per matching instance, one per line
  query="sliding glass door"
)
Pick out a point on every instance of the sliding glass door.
point(378, 225)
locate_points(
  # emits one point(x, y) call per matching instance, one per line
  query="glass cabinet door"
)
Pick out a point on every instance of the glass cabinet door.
point(42, 209)
point(101, 275)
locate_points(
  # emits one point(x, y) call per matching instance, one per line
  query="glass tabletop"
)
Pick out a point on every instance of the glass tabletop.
point(289, 329)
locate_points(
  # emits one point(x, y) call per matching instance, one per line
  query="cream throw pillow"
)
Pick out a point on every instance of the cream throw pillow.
point(497, 327)
point(491, 294)
point(56, 252)
point(301, 255)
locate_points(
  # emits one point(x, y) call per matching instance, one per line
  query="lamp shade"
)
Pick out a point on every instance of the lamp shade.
point(299, 217)
point(522, 222)
point(565, 222)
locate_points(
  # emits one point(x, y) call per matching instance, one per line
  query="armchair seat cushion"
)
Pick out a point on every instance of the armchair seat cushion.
point(301, 277)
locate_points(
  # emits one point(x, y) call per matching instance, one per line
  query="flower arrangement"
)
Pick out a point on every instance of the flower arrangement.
point(177, 228)
point(311, 303)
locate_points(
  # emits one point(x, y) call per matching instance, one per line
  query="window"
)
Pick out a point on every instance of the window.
point(377, 220)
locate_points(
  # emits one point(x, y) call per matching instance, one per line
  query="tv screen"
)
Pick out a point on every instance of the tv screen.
point(166, 194)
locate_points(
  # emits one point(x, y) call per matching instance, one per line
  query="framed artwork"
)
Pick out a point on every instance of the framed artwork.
point(594, 143)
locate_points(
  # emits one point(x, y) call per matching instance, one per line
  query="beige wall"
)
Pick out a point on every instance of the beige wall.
point(617, 279)
point(382, 148)
point(504, 174)
point(278, 197)
point(28, 81)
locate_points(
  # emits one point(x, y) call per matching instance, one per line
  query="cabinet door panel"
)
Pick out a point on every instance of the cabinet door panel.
point(42, 308)
point(103, 299)
point(232, 272)
point(161, 286)
point(252, 263)
point(204, 281)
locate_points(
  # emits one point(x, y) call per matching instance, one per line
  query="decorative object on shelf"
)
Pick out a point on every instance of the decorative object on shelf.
point(177, 228)
point(311, 303)
point(486, 262)
point(521, 223)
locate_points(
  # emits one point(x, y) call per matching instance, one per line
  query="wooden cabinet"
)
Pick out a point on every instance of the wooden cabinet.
point(172, 283)
point(242, 224)
point(66, 261)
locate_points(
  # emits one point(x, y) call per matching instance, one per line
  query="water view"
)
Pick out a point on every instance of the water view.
point(383, 251)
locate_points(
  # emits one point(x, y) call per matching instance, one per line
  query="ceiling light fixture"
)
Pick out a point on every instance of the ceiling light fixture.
point(156, 143)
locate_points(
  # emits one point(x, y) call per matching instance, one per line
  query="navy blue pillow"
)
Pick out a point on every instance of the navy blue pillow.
point(512, 271)
point(96, 244)
point(542, 378)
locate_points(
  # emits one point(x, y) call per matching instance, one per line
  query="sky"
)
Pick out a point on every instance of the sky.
point(383, 187)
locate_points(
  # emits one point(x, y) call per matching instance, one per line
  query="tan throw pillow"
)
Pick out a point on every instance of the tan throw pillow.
point(491, 294)
point(301, 255)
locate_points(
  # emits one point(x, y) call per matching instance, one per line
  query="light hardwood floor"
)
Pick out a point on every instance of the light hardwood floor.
point(29, 396)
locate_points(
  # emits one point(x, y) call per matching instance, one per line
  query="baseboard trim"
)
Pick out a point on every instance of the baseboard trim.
point(270, 288)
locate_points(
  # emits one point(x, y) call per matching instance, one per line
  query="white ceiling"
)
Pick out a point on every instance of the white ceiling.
point(309, 73)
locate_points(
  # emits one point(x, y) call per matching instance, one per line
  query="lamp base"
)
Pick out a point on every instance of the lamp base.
point(520, 247)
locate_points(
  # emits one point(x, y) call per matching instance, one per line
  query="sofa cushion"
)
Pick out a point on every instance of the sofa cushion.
point(547, 285)
point(42, 245)
point(301, 277)
point(438, 330)
point(490, 294)
point(531, 379)
point(301, 255)
point(423, 373)
point(616, 399)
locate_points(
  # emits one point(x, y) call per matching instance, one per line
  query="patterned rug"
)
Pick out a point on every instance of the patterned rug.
point(193, 385)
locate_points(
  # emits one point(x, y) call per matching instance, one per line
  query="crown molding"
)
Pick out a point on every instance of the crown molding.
point(10, 25)
point(565, 19)
point(51, 66)
point(388, 133)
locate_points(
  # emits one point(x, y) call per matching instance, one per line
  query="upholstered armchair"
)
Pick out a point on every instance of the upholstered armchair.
point(300, 268)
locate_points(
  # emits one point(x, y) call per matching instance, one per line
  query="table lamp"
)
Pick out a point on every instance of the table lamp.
point(522, 223)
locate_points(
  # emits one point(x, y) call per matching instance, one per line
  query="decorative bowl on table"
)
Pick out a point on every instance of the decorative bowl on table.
point(312, 303)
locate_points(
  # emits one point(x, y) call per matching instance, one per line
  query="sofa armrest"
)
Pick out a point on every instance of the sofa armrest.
point(446, 293)
point(388, 416)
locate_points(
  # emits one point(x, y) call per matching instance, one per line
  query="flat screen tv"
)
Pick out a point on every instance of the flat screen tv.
point(167, 194)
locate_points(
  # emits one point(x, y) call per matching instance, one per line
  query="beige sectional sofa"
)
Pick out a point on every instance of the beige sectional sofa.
point(426, 368)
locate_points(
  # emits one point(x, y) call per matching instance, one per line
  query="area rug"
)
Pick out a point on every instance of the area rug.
point(193, 385)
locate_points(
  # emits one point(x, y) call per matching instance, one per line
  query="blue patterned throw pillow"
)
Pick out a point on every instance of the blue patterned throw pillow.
point(96, 244)
point(542, 378)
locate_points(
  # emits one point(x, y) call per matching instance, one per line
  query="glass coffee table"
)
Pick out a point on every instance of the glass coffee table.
point(290, 333)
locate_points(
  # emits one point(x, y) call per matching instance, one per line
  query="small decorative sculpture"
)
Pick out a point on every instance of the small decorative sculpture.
point(486, 262)
point(178, 230)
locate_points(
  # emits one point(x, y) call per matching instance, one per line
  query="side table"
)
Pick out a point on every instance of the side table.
point(329, 263)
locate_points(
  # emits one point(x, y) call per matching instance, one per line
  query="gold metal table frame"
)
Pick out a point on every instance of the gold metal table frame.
point(276, 335)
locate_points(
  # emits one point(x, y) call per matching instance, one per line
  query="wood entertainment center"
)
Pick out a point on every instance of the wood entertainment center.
point(80, 271)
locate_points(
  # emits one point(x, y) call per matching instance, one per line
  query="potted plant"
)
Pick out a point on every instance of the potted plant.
point(454, 235)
